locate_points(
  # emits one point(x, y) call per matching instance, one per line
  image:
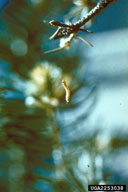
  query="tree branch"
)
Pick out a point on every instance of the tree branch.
point(103, 4)
point(69, 31)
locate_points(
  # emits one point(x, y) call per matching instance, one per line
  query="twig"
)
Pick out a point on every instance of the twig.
point(101, 5)
point(65, 30)
point(71, 30)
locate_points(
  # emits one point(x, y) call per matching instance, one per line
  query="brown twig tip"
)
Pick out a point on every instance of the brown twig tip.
point(67, 30)
point(54, 23)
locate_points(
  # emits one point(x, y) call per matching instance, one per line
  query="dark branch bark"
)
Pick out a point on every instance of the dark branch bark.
point(103, 4)
point(65, 30)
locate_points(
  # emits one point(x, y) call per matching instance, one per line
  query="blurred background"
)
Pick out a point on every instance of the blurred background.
point(47, 145)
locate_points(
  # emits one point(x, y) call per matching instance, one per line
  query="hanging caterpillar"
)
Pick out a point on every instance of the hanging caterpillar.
point(67, 91)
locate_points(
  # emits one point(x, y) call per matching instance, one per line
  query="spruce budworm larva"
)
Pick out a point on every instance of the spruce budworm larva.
point(67, 91)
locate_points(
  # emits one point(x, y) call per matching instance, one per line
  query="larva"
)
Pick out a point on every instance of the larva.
point(67, 91)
